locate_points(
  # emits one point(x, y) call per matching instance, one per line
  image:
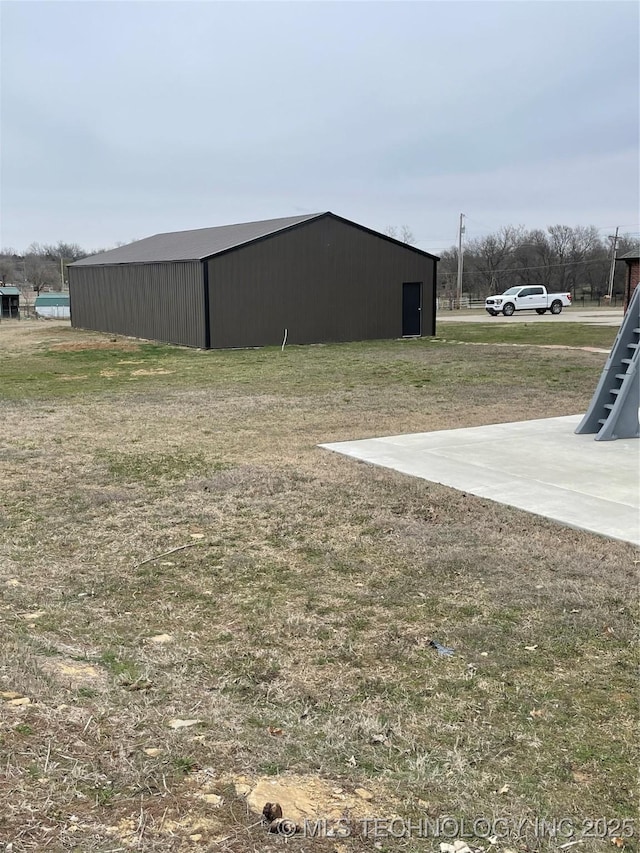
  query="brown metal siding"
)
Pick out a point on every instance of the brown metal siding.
point(324, 280)
point(158, 301)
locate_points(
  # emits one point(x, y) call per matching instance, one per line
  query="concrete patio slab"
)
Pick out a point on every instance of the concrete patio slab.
point(539, 466)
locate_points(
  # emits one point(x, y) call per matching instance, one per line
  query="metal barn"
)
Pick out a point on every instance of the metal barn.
point(320, 277)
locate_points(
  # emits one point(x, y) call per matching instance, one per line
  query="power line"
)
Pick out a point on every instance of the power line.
point(494, 228)
point(446, 244)
point(526, 269)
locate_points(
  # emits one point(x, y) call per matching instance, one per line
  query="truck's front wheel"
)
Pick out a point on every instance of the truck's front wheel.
point(508, 309)
point(556, 307)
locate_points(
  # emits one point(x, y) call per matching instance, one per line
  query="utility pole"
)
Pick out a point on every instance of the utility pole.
point(612, 271)
point(61, 273)
point(460, 263)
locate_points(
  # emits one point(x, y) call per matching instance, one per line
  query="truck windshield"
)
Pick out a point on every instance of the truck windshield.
point(511, 291)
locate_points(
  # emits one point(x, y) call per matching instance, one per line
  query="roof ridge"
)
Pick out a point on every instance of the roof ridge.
point(201, 244)
point(231, 225)
point(195, 244)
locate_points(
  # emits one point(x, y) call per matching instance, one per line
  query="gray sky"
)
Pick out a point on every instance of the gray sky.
point(123, 119)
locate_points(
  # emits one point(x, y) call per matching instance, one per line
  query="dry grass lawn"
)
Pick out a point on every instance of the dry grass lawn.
point(175, 547)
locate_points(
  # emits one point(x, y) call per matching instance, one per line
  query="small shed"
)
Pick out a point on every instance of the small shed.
point(310, 279)
point(9, 303)
point(632, 260)
point(53, 306)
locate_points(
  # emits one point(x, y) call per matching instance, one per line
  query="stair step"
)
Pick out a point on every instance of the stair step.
point(612, 412)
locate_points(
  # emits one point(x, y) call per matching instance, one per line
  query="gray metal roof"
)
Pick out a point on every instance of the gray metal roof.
point(9, 290)
point(633, 255)
point(192, 245)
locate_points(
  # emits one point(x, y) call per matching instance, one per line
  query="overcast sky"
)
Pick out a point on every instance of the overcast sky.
point(124, 119)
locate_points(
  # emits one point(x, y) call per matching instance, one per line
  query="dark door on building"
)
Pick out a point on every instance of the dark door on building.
point(9, 307)
point(411, 308)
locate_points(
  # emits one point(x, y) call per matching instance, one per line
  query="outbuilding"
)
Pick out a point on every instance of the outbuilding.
point(9, 302)
point(314, 278)
point(53, 305)
point(632, 260)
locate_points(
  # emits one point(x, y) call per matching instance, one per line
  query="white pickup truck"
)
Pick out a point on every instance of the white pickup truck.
point(529, 297)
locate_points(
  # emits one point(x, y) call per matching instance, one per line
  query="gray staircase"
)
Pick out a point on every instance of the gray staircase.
point(613, 411)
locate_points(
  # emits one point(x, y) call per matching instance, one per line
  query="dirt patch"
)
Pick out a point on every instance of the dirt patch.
point(565, 346)
point(199, 830)
point(80, 346)
point(74, 673)
point(28, 334)
point(538, 346)
point(310, 798)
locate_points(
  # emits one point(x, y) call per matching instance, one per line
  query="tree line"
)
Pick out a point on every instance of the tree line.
point(41, 266)
point(563, 258)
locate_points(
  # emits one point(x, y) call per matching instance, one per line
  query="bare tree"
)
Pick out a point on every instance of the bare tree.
point(534, 259)
point(64, 251)
point(41, 272)
point(447, 276)
point(585, 247)
point(63, 254)
point(8, 268)
point(561, 240)
point(491, 254)
point(404, 233)
point(561, 257)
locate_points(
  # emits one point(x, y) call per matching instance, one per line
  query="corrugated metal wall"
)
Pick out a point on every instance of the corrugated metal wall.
point(162, 302)
point(324, 280)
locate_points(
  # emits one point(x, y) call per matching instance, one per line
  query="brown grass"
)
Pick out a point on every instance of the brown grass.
point(83, 346)
point(299, 617)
